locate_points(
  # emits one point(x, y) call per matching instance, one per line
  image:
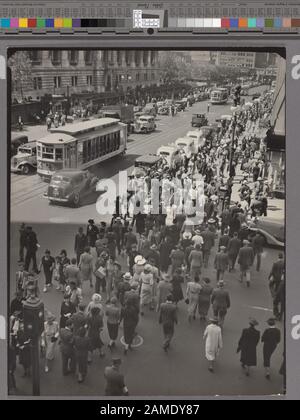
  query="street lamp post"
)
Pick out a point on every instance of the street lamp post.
point(232, 142)
point(33, 315)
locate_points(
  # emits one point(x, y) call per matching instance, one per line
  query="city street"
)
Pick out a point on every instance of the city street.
point(148, 370)
point(27, 191)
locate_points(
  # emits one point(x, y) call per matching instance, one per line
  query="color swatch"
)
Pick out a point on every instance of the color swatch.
point(241, 23)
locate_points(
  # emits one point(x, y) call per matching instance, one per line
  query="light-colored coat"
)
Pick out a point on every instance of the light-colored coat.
point(214, 342)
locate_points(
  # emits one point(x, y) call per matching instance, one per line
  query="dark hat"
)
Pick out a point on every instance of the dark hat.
point(116, 360)
point(271, 322)
point(91, 221)
point(253, 322)
point(214, 320)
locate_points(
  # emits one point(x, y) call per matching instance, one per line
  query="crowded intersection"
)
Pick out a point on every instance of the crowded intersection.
point(175, 303)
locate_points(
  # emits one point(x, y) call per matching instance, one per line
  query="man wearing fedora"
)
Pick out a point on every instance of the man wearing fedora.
point(168, 319)
point(208, 236)
point(270, 339)
point(246, 259)
point(115, 382)
point(247, 346)
point(91, 233)
point(164, 289)
point(221, 263)
point(220, 301)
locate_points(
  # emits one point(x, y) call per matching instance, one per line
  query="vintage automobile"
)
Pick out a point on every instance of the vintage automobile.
point(150, 109)
point(272, 231)
point(198, 120)
point(163, 110)
point(180, 105)
point(171, 155)
point(187, 145)
point(198, 137)
point(71, 187)
point(16, 141)
point(256, 95)
point(25, 160)
point(144, 124)
point(143, 163)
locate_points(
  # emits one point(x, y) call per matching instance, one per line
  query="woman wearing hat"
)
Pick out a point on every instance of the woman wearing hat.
point(66, 311)
point(213, 342)
point(247, 346)
point(113, 316)
point(204, 299)
point(95, 327)
point(192, 297)
point(86, 266)
point(176, 282)
point(96, 302)
point(147, 283)
point(270, 338)
point(49, 339)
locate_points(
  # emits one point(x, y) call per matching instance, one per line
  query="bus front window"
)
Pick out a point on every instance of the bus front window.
point(59, 154)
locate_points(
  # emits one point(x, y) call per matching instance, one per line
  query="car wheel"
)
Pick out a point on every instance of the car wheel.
point(25, 169)
point(76, 200)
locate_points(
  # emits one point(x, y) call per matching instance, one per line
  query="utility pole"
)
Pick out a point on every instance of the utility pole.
point(232, 142)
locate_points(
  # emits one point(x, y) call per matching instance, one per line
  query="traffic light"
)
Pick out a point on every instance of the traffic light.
point(33, 315)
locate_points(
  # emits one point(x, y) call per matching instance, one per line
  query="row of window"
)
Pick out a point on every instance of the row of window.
point(100, 146)
point(57, 82)
point(49, 152)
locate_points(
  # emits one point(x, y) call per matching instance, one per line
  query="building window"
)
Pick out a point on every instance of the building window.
point(57, 81)
point(73, 57)
point(89, 80)
point(88, 57)
point(145, 77)
point(37, 83)
point(137, 77)
point(35, 57)
point(153, 76)
point(56, 57)
point(74, 81)
point(119, 58)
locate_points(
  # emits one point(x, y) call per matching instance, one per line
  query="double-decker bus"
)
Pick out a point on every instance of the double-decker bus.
point(80, 145)
point(219, 96)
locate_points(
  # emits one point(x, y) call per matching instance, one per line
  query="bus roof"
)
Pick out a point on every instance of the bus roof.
point(85, 126)
point(57, 138)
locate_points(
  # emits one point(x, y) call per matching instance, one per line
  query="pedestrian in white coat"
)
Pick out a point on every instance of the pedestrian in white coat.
point(213, 342)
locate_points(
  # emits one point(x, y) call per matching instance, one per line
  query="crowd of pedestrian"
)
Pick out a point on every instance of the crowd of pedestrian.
point(165, 262)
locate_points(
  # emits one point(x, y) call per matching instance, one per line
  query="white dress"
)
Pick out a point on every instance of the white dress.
point(214, 342)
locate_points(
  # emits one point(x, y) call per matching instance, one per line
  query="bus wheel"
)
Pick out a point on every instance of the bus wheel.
point(76, 200)
point(25, 169)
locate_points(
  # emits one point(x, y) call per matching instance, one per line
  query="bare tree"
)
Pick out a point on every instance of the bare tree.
point(21, 68)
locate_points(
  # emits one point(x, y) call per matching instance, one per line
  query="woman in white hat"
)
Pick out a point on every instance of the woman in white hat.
point(49, 339)
point(147, 282)
point(94, 303)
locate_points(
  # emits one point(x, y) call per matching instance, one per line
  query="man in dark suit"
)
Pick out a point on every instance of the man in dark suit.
point(220, 300)
point(271, 338)
point(67, 349)
point(247, 346)
point(221, 263)
point(79, 319)
point(80, 243)
point(233, 248)
point(276, 273)
point(22, 233)
point(31, 245)
point(246, 259)
point(168, 319)
point(115, 382)
point(258, 248)
point(208, 236)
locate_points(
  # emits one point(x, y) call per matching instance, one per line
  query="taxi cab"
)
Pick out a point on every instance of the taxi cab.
point(198, 138)
point(187, 145)
point(71, 187)
point(143, 163)
point(171, 155)
point(144, 124)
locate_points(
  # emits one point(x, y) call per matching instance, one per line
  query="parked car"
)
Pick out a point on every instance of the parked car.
point(198, 138)
point(272, 231)
point(180, 105)
point(171, 155)
point(256, 95)
point(16, 141)
point(144, 124)
point(163, 110)
point(25, 160)
point(143, 163)
point(71, 187)
point(198, 120)
point(187, 145)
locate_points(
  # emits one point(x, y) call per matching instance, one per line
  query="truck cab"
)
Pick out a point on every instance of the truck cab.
point(25, 161)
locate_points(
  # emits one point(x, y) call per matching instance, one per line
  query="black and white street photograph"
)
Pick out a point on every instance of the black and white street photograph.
point(147, 223)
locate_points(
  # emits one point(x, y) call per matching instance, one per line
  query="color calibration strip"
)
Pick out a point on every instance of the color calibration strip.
point(209, 23)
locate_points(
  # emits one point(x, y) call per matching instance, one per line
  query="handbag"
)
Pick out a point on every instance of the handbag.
point(100, 273)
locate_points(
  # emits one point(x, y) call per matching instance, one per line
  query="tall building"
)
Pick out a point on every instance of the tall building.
point(67, 72)
point(241, 59)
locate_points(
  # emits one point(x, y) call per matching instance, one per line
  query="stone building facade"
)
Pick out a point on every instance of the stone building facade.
point(67, 72)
